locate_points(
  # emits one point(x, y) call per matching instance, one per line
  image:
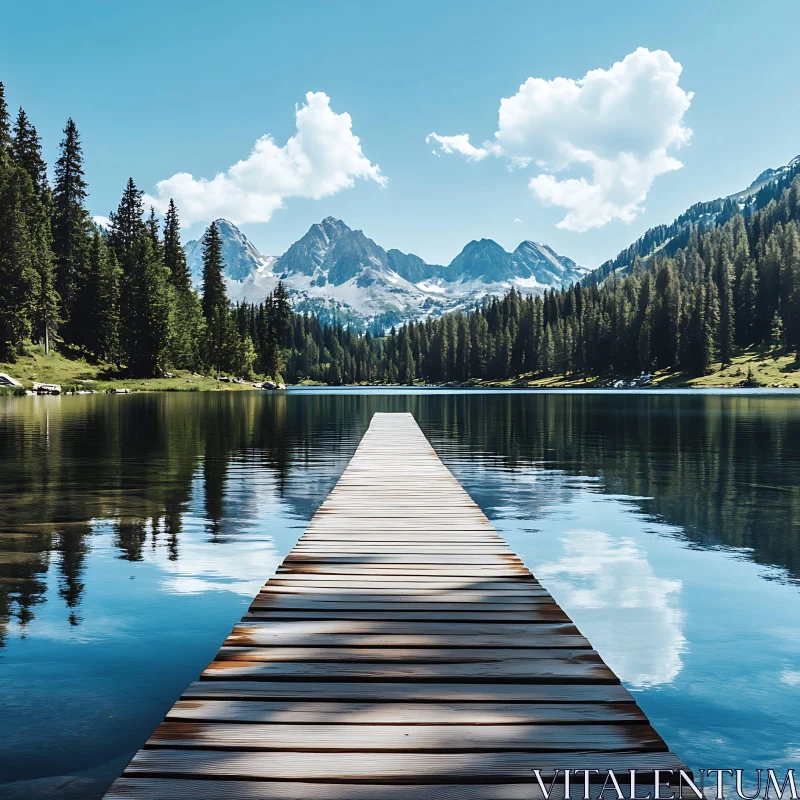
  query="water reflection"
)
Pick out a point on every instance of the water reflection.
point(666, 525)
point(604, 574)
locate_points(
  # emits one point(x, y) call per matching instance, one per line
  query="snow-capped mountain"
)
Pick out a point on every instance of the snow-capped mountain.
point(239, 253)
point(767, 177)
point(340, 273)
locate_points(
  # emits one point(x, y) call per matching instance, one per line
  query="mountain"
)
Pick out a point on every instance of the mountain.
point(769, 176)
point(340, 273)
point(483, 261)
point(546, 266)
point(667, 239)
point(412, 267)
point(239, 253)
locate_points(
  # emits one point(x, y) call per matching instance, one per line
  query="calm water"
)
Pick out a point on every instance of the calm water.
point(134, 531)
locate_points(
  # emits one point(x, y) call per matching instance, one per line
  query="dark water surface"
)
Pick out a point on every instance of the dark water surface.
point(134, 530)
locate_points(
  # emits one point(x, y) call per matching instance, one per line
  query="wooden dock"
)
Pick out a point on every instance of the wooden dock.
point(401, 651)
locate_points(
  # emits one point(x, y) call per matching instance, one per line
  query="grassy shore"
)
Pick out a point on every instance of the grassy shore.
point(753, 367)
point(76, 374)
point(757, 366)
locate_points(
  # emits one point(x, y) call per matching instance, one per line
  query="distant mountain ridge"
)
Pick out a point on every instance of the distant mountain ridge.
point(340, 273)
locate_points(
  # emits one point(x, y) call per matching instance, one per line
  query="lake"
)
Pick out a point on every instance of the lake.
point(134, 531)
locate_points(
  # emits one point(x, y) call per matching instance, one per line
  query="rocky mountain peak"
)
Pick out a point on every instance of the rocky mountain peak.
point(340, 273)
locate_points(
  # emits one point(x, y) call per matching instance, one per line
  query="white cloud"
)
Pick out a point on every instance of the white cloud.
point(460, 144)
point(102, 222)
point(323, 157)
point(614, 127)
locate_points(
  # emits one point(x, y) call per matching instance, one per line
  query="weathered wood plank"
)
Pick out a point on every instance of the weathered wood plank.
point(131, 788)
point(391, 767)
point(400, 738)
point(417, 655)
point(368, 602)
point(253, 634)
point(416, 692)
point(533, 616)
point(406, 559)
point(415, 593)
point(375, 713)
point(386, 581)
point(555, 670)
point(419, 628)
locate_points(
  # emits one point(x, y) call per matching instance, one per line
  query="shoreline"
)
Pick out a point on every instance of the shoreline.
point(755, 368)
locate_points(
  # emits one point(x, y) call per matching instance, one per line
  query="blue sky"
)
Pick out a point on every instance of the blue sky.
point(163, 88)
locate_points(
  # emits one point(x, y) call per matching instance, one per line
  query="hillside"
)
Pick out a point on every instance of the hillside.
point(668, 239)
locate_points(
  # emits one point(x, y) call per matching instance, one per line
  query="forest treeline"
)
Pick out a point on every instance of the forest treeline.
point(730, 287)
point(124, 296)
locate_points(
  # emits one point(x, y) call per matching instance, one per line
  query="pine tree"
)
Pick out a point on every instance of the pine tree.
point(547, 355)
point(790, 270)
point(462, 349)
point(437, 368)
point(93, 284)
point(645, 361)
point(406, 361)
point(153, 292)
point(19, 278)
point(46, 311)
point(479, 333)
point(152, 227)
point(109, 321)
point(27, 152)
point(70, 237)
point(186, 319)
point(220, 333)
point(776, 330)
point(144, 297)
point(127, 227)
point(174, 254)
point(741, 262)
point(281, 314)
point(726, 308)
point(5, 126)
point(747, 306)
point(695, 355)
point(710, 323)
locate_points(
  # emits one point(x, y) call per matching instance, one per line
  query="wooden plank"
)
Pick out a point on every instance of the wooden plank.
point(133, 788)
point(422, 546)
point(415, 570)
point(406, 559)
point(400, 738)
point(416, 692)
point(402, 655)
point(553, 636)
point(405, 639)
point(417, 591)
point(439, 582)
point(412, 628)
point(546, 616)
point(536, 616)
point(555, 670)
point(362, 602)
point(391, 767)
point(372, 713)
